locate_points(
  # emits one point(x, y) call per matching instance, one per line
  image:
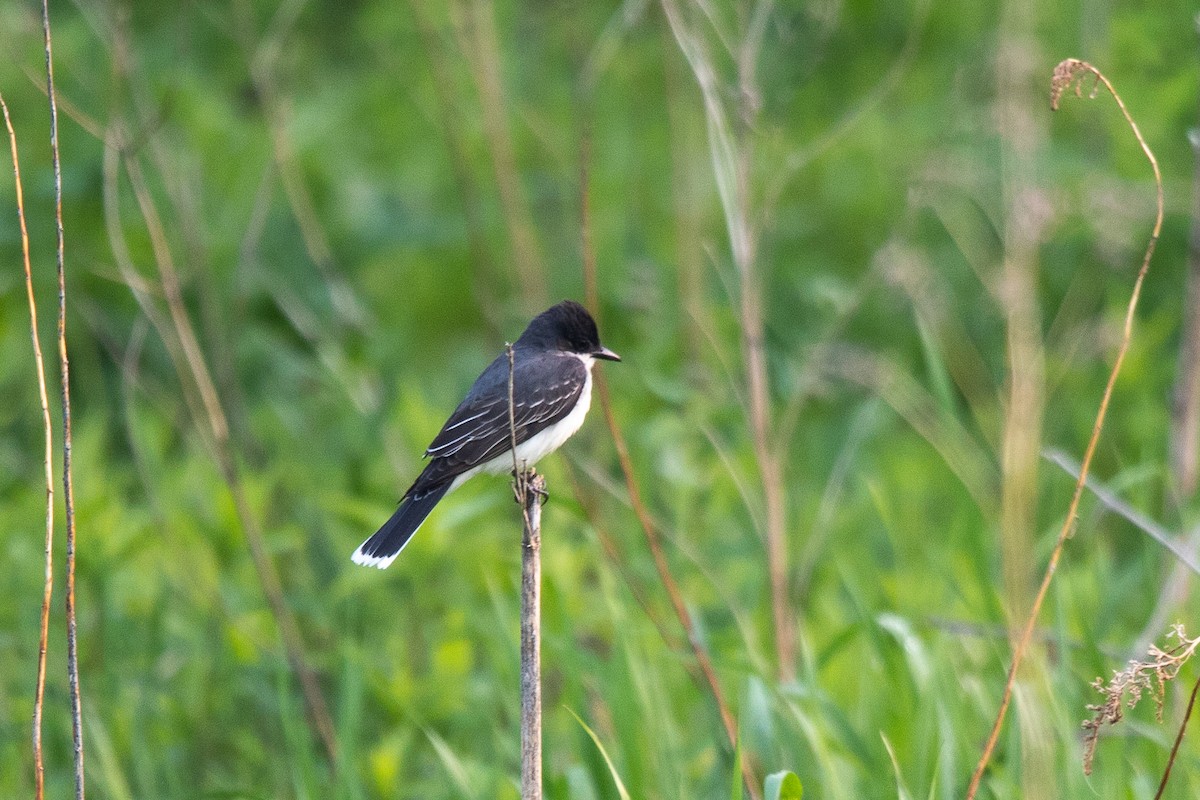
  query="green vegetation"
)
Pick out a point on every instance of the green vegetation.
point(364, 200)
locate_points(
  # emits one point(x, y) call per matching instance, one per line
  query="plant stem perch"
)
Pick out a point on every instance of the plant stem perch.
point(529, 489)
point(534, 486)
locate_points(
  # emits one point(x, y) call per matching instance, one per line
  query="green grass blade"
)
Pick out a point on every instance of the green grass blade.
point(621, 790)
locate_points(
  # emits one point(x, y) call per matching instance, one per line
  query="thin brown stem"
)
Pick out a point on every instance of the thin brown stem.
point(452, 134)
point(65, 377)
point(649, 529)
point(608, 543)
point(1187, 715)
point(1067, 75)
point(39, 767)
point(474, 26)
point(732, 156)
point(1014, 284)
point(762, 424)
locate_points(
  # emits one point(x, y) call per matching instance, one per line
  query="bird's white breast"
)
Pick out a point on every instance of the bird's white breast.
point(546, 441)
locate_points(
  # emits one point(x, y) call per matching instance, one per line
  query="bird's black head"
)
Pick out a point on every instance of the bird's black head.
point(568, 327)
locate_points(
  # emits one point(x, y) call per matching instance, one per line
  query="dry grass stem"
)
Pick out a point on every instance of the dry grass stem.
point(65, 378)
point(1068, 74)
point(731, 144)
point(39, 767)
point(474, 27)
point(649, 529)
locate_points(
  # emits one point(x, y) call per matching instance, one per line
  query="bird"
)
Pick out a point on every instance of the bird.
point(551, 368)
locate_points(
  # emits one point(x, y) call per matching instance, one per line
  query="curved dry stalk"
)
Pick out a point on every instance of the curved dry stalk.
point(65, 377)
point(39, 767)
point(591, 513)
point(1067, 75)
point(225, 454)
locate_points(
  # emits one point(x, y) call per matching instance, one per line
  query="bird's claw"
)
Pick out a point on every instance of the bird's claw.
point(529, 481)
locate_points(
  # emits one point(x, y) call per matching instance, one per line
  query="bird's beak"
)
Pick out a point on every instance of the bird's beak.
point(606, 354)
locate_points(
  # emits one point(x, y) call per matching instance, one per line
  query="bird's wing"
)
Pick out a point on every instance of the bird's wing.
point(545, 388)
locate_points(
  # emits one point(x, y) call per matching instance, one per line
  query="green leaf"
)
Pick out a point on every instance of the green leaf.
point(782, 785)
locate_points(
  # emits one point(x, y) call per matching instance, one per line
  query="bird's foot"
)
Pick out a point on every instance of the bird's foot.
point(529, 480)
point(537, 485)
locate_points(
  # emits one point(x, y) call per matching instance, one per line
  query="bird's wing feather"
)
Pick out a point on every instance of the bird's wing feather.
point(545, 387)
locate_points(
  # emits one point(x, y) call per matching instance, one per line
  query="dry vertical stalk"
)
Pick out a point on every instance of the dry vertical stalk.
point(592, 296)
point(39, 767)
point(1067, 75)
point(732, 155)
point(453, 136)
point(1021, 138)
point(473, 23)
point(529, 488)
point(65, 376)
point(531, 636)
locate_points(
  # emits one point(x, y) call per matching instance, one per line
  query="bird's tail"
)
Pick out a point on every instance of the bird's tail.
point(382, 548)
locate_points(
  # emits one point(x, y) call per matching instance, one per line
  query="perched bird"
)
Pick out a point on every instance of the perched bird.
point(551, 391)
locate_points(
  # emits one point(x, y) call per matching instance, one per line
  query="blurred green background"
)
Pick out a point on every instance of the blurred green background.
point(363, 201)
